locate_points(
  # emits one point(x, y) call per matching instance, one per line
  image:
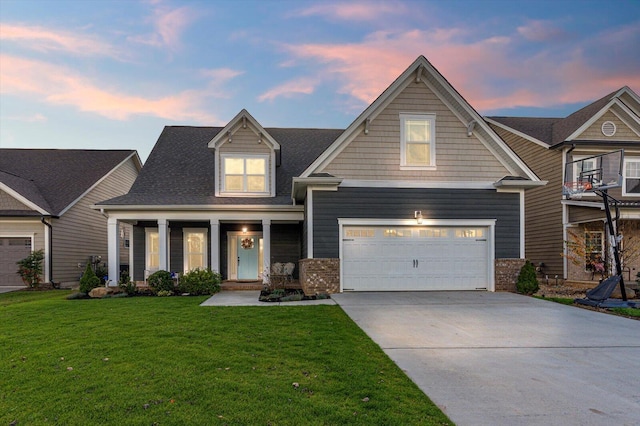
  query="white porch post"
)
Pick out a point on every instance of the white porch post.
point(113, 251)
point(266, 246)
point(215, 245)
point(163, 234)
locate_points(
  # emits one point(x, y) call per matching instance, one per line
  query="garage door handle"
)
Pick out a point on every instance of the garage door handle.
point(414, 263)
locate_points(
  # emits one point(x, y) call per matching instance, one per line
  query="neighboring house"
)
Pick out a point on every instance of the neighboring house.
point(45, 199)
point(418, 193)
point(546, 145)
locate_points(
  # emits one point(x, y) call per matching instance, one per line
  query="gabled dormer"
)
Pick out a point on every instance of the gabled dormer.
point(245, 159)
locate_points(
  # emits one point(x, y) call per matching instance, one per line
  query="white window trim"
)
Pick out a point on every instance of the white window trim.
point(185, 246)
point(624, 176)
point(147, 253)
point(575, 173)
point(432, 143)
point(269, 186)
point(602, 247)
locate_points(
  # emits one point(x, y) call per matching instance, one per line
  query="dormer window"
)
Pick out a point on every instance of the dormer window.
point(244, 174)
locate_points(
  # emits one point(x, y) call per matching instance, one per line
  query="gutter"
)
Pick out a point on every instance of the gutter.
point(48, 225)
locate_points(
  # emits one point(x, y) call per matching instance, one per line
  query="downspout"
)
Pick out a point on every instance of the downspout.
point(48, 225)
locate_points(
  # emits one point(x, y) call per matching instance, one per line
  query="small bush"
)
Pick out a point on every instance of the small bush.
point(161, 281)
point(527, 281)
point(30, 268)
point(200, 281)
point(127, 286)
point(89, 280)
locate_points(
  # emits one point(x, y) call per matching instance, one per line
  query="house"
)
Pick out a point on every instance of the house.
point(45, 199)
point(418, 193)
point(546, 145)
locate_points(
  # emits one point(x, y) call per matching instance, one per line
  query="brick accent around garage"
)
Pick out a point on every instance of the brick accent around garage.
point(507, 271)
point(320, 276)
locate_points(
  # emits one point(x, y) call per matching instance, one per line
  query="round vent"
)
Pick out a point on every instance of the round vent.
point(608, 128)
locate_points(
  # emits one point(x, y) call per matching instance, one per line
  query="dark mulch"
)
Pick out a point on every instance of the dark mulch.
point(288, 295)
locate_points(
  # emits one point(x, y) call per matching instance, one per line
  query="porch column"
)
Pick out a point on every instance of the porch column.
point(113, 251)
point(215, 245)
point(266, 246)
point(163, 233)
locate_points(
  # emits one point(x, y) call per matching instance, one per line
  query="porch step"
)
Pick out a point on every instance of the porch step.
point(235, 285)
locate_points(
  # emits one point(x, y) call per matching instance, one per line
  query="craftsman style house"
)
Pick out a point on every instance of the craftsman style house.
point(45, 199)
point(546, 145)
point(418, 193)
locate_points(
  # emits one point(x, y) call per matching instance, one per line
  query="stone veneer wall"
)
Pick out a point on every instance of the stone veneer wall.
point(507, 271)
point(320, 276)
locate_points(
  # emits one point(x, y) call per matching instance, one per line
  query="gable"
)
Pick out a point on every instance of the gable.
point(376, 155)
point(623, 132)
point(8, 202)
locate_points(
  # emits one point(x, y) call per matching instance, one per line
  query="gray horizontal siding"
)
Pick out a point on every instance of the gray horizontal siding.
point(392, 203)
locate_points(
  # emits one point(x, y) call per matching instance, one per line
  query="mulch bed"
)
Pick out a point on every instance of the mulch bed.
point(288, 295)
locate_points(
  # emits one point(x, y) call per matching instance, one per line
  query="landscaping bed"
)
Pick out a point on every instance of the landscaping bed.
point(288, 295)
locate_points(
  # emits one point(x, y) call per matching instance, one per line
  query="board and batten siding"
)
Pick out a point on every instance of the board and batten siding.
point(623, 132)
point(393, 203)
point(543, 208)
point(82, 231)
point(8, 202)
point(376, 156)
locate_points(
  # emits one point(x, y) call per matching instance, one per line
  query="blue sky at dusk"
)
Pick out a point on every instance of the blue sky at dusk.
point(111, 73)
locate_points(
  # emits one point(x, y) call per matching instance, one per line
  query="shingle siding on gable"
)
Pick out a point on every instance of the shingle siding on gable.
point(387, 203)
point(244, 141)
point(82, 231)
point(623, 132)
point(7, 202)
point(376, 156)
point(543, 210)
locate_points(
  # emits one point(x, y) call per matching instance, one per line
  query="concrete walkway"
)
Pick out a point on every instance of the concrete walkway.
point(250, 298)
point(7, 289)
point(504, 359)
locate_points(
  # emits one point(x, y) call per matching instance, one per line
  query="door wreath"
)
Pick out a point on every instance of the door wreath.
point(247, 243)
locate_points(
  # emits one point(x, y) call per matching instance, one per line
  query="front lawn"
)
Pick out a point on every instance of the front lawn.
point(167, 361)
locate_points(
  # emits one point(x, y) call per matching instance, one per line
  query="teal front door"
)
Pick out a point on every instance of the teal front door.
point(248, 249)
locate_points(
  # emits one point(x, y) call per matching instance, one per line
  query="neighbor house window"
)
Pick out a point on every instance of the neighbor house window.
point(593, 244)
point(631, 183)
point(195, 249)
point(244, 174)
point(417, 141)
point(152, 249)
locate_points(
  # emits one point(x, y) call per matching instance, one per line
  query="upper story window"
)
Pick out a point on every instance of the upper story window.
point(631, 182)
point(244, 174)
point(418, 141)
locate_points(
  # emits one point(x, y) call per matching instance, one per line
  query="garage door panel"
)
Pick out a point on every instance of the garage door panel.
point(405, 258)
point(11, 251)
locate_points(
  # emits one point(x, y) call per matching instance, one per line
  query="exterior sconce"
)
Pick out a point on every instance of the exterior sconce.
point(229, 136)
point(260, 138)
point(244, 229)
point(418, 216)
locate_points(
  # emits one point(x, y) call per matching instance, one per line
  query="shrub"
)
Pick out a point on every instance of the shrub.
point(161, 281)
point(527, 281)
point(200, 281)
point(127, 286)
point(89, 280)
point(30, 268)
point(102, 272)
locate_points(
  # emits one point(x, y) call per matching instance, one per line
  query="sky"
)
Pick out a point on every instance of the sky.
point(110, 74)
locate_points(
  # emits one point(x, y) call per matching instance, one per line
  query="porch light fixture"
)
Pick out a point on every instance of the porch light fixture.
point(244, 229)
point(418, 216)
point(260, 138)
point(229, 136)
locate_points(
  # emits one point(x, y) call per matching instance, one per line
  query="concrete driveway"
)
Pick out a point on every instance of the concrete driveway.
point(505, 359)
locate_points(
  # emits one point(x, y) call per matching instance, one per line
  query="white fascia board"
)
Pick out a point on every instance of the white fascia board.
point(231, 216)
point(631, 93)
point(23, 200)
point(299, 185)
point(591, 120)
point(629, 114)
point(519, 183)
point(234, 124)
point(198, 208)
point(518, 133)
point(355, 183)
point(591, 204)
point(99, 181)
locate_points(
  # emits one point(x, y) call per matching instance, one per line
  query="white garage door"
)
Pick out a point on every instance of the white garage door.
point(11, 251)
point(391, 258)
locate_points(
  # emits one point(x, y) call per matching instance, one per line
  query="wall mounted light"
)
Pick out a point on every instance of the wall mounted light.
point(260, 138)
point(418, 216)
point(229, 136)
point(244, 229)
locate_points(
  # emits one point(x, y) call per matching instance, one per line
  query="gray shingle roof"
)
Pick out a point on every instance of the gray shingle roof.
point(54, 178)
point(555, 130)
point(180, 168)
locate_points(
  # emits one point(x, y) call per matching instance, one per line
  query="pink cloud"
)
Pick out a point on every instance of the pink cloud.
point(302, 86)
point(169, 24)
point(54, 84)
point(45, 39)
point(539, 30)
point(356, 11)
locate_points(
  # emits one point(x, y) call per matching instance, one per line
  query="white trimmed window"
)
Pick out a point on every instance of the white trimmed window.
point(152, 250)
point(195, 248)
point(594, 248)
point(631, 183)
point(245, 175)
point(418, 141)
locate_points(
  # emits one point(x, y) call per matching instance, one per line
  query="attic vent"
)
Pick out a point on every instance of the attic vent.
point(608, 128)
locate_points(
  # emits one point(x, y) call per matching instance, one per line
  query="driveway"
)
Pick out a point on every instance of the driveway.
point(505, 359)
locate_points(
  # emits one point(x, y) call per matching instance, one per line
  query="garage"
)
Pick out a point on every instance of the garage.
point(400, 257)
point(12, 250)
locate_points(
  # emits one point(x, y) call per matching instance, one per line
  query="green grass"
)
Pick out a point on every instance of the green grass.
point(562, 300)
point(167, 361)
point(627, 312)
